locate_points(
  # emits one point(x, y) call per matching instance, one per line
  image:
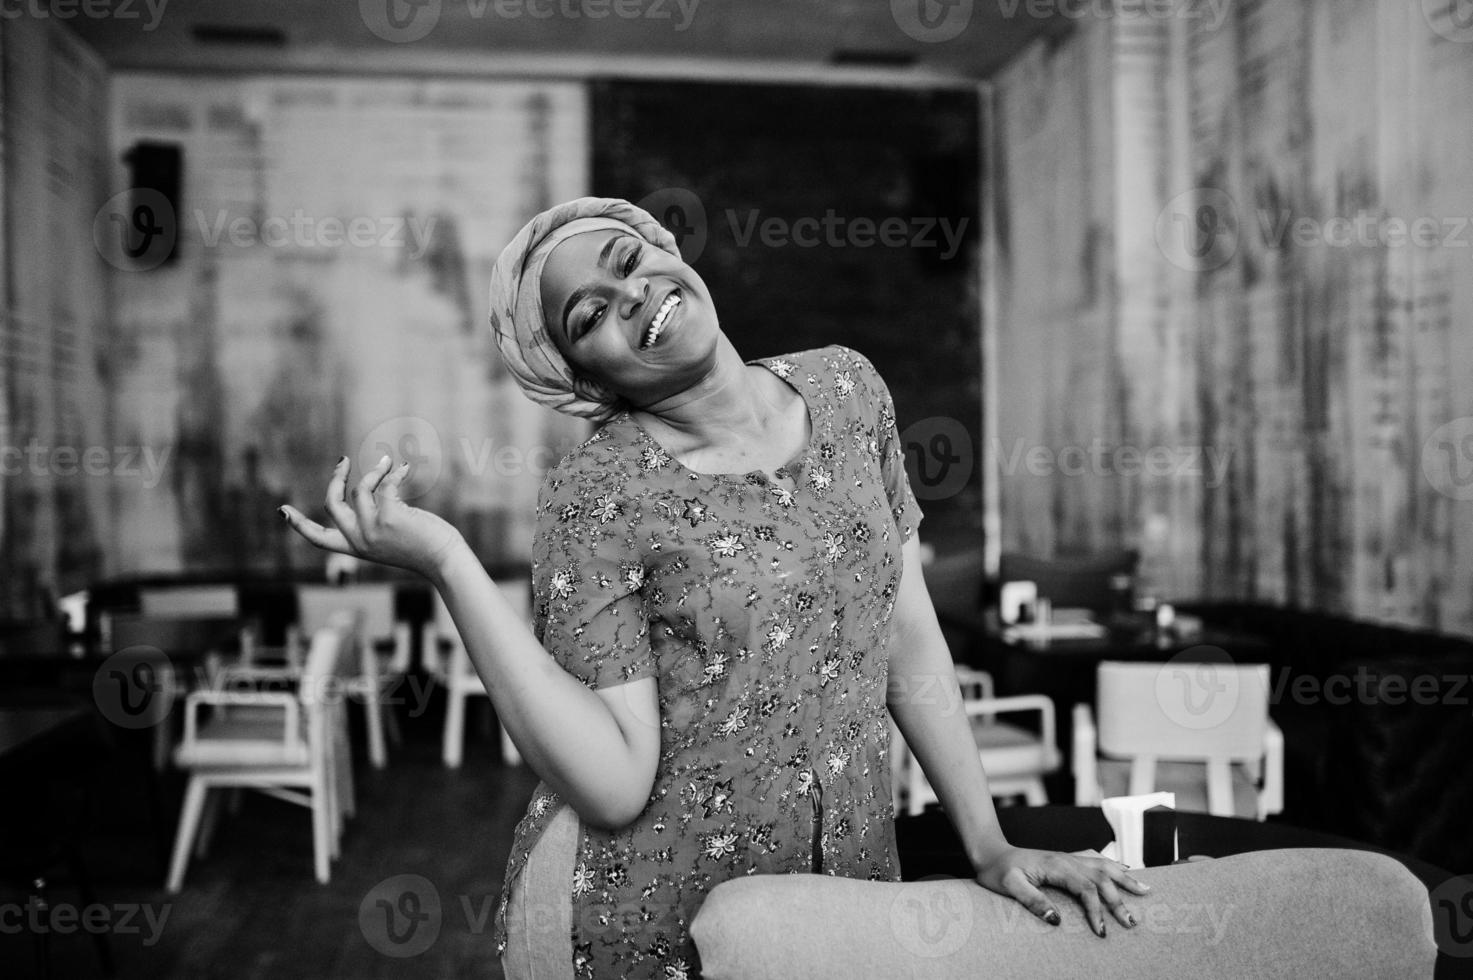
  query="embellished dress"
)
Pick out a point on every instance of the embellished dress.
point(761, 604)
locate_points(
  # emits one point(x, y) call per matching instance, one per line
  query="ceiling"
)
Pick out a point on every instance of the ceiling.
point(901, 38)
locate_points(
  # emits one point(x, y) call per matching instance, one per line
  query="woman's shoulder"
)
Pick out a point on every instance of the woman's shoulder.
point(615, 461)
point(818, 361)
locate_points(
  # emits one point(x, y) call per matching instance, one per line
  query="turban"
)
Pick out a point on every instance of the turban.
point(517, 322)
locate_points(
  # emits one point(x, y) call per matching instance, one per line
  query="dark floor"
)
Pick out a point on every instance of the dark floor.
point(252, 908)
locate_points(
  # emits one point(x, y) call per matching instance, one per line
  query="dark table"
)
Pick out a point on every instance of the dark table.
point(31, 732)
point(1066, 670)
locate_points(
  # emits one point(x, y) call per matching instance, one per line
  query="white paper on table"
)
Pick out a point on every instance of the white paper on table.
point(1126, 816)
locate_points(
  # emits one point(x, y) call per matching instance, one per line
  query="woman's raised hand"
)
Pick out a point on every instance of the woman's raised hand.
point(374, 523)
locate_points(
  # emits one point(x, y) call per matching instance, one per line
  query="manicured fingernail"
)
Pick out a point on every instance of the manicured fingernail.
point(1051, 917)
point(1100, 929)
point(285, 515)
point(1130, 920)
point(341, 461)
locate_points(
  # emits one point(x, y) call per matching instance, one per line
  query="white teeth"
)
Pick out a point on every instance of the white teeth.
point(658, 323)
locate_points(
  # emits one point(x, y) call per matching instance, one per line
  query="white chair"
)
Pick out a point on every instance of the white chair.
point(1201, 731)
point(378, 674)
point(288, 745)
point(184, 650)
point(1015, 759)
point(446, 660)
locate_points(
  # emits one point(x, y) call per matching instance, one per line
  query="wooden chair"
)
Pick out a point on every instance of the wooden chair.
point(446, 660)
point(288, 745)
point(378, 674)
point(1199, 730)
point(1014, 758)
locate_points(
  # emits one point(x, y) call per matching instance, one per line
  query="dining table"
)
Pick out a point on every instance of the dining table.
point(1065, 667)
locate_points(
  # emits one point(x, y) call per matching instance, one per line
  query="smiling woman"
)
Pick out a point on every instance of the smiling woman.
point(717, 575)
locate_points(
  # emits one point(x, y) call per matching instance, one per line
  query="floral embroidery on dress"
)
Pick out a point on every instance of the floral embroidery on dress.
point(760, 603)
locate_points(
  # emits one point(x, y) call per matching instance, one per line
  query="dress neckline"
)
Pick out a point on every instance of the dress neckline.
point(787, 471)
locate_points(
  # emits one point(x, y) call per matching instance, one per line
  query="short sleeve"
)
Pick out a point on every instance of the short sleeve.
point(588, 578)
point(903, 506)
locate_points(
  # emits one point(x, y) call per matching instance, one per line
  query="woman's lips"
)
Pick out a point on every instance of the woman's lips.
point(663, 319)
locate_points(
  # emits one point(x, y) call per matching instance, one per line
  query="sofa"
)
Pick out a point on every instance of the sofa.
point(1290, 914)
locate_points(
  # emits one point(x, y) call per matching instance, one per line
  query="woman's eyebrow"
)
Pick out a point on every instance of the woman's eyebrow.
point(578, 294)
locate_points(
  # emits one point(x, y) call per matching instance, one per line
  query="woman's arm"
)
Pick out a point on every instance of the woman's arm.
point(597, 749)
point(927, 706)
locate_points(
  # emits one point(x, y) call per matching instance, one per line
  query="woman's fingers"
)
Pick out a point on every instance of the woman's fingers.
point(1067, 877)
point(329, 539)
point(363, 503)
point(388, 488)
point(1125, 879)
point(1108, 879)
point(1030, 897)
point(336, 503)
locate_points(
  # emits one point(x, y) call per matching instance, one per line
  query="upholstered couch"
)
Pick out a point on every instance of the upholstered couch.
point(1290, 914)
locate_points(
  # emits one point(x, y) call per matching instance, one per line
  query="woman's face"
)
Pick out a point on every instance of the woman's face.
point(629, 315)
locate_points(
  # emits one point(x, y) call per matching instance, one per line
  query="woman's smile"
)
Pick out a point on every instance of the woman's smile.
point(663, 320)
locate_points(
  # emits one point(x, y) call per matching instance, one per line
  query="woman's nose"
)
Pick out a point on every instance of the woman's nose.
point(632, 293)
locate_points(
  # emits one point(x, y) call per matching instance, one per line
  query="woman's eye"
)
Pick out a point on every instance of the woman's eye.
point(591, 321)
point(632, 261)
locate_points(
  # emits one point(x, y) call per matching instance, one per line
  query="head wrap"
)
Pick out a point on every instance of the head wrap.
point(517, 319)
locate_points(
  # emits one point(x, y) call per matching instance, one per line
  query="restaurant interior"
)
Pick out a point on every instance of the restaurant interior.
point(1166, 294)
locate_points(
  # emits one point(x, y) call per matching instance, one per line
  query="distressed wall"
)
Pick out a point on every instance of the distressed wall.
point(1211, 252)
point(57, 460)
point(335, 239)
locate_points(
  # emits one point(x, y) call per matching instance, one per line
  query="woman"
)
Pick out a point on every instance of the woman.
point(726, 575)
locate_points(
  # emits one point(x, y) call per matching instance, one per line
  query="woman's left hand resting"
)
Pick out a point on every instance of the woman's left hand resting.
point(375, 524)
point(1019, 873)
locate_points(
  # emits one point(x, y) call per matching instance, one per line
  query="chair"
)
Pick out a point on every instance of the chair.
point(288, 745)
point(446, 660)
point(1200, 730)
point(378, 675)
point(182, 649)
point(1015, 759)
point(1098, 582)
